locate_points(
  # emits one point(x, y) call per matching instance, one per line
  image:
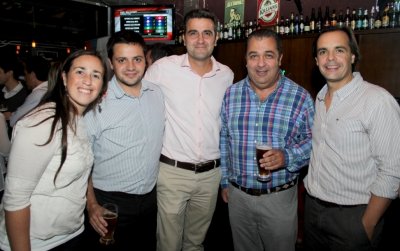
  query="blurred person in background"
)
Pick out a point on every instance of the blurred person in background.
point(13, 92)
point(36, 73)
point(157, 51)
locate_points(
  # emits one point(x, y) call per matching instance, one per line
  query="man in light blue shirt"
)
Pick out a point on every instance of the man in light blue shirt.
point(126, 132)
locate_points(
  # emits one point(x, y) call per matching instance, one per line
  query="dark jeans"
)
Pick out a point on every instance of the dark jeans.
point(136, 226)
point(337, 228)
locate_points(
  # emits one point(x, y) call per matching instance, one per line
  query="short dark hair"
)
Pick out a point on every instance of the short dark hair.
point(159, 50)
point(39, 66)
point(9, 62)
point(124, 37)
point(352, 42)
point(200, 13)
point(266, 33)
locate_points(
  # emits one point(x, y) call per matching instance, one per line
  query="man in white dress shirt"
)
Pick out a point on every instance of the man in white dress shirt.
point(354, 169)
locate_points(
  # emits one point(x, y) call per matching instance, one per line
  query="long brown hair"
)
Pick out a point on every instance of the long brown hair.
point(65, 111)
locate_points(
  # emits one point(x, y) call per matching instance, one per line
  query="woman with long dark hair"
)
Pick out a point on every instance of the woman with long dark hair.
point(51, 159)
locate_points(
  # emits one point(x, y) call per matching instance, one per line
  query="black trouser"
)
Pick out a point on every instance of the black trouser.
point(337, 228)
point(137, 222)
point(74, 244)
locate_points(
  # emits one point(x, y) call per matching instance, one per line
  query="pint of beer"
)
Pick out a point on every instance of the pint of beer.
point(263, 174)
point(110, 214)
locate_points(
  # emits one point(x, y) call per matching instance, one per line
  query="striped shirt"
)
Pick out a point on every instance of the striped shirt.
point(126, 134)
point(356, 145)
point(285, 118)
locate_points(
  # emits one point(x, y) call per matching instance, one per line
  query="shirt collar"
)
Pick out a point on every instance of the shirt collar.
point(215, 65)
point(346, 90)
point(119, 92)
point(39, 86)
point(9, 94)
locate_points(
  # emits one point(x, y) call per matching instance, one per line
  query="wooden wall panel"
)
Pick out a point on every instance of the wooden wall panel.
point(380, 62)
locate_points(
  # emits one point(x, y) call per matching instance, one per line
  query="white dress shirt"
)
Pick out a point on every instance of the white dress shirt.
point(193, 105)
point(355, 145)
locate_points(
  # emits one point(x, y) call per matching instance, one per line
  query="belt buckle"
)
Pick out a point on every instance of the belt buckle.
point(197, 167)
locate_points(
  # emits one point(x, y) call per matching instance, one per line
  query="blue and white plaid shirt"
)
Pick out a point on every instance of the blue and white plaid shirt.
point(285, 118)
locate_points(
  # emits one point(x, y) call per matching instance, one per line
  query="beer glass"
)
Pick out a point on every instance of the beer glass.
point(110, 214)
point(263, 174)
point(3, 107)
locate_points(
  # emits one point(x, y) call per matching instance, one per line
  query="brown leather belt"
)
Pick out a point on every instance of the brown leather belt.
point(258, 192)
point(197, 168)
point(331, 204)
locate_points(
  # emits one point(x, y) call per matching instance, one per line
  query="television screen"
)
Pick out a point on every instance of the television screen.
point(154, 22)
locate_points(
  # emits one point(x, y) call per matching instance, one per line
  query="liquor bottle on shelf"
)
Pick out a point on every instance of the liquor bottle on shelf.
point(365, 20)
point(226, 32)
point(327, 19)
point(385, 17)
point(318, 23)
point(340, 22)
point(296, 28)
point(333, 19)
point(239, 31)
point(277, 26)
point(371, 21)
point(378, 18)
point(230, 32)
point(397, 9)
point(359, 19)
point(250, 27)
point(302, 24)
point(291, 24)
point(392, 16)
point(353, 19)
point(243, 30)
point(287, 26)
point(254, 27)
point(282, 26)
point(258, 25)
point(307, 25)
point(312, 20)
point(347, 18)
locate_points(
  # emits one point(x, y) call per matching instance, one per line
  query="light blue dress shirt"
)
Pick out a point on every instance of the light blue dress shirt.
point(126, 134)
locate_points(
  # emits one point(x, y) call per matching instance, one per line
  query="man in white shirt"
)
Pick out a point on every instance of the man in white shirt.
point(36, 72)
point(354, 168)
point(193, 85)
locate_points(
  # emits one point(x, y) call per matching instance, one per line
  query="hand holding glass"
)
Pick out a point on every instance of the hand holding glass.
point(264, 175)
point(110, 214)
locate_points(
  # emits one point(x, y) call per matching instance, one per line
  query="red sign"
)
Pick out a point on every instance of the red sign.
point(268, 12)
